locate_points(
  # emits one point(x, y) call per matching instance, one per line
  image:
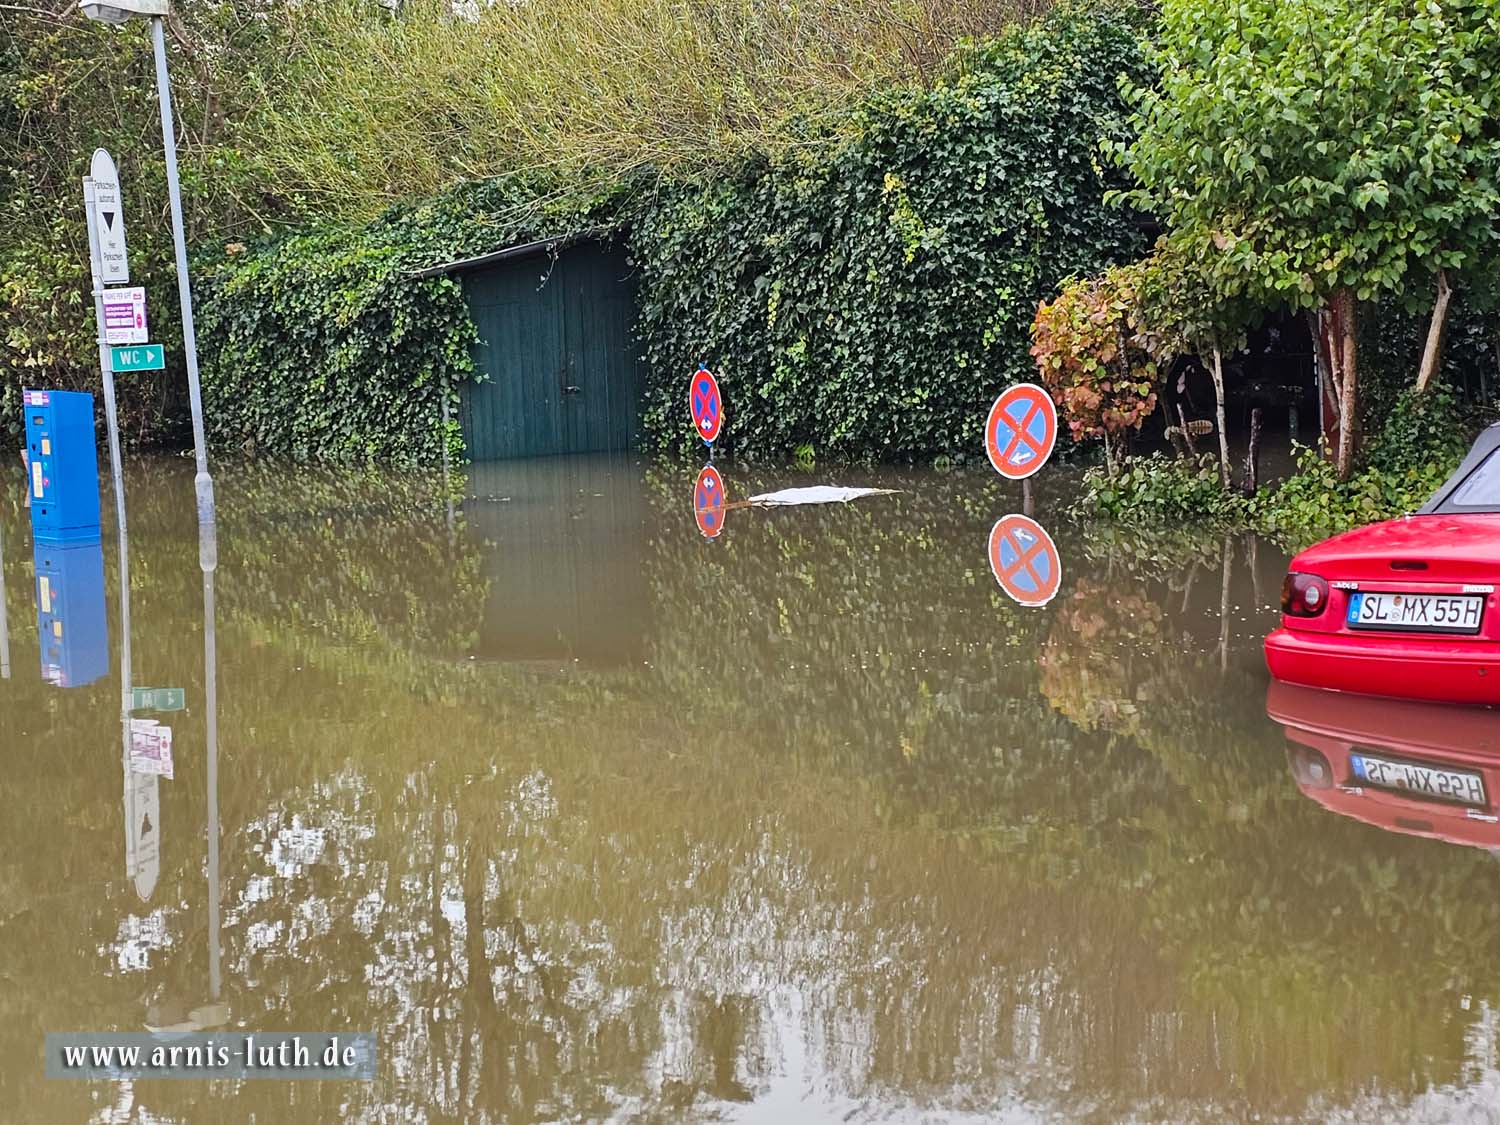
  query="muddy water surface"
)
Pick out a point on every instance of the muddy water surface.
point(591, 818)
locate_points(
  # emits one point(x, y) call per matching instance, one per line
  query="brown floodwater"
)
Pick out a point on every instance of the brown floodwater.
point(589, 817)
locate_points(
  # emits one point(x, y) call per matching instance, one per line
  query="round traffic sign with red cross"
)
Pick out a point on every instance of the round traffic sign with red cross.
point(1020, 431)
point(708, 502)
point(706, 405)
point(1024, 560)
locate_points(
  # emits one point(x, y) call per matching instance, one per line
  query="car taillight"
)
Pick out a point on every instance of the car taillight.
point(1303, 595)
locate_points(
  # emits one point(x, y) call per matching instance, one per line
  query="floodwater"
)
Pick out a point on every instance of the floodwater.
point(589, 817)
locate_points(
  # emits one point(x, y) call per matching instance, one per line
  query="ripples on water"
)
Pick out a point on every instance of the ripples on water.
point(590, 817)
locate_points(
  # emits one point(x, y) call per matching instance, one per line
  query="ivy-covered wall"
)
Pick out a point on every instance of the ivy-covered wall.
point(866, 296)
point(872, 298)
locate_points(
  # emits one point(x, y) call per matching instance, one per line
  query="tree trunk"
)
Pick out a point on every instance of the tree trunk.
point(1432, 354)
point(1345, 351)
point(1226, 476)
point(1252, 457)
point(1187, 434)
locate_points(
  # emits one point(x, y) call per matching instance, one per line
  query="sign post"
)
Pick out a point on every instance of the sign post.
point(103, 162)
point(706, 405)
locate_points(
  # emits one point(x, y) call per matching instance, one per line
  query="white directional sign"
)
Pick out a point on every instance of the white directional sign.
point(109, 221)
point(143, 831)
point(125, 316)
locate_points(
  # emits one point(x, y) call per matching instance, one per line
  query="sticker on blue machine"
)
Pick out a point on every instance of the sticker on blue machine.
point(38, 398)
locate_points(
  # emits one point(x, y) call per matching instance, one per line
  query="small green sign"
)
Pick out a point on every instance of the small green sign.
point(157, 699)
point(138, 357)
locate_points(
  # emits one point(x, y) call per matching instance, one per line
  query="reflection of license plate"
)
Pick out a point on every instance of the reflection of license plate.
point(1441, 784)
point(1424, 613)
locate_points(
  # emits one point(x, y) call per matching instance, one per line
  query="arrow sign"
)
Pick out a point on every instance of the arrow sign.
point(157, 699)
point(114, 261)
point(149, 357)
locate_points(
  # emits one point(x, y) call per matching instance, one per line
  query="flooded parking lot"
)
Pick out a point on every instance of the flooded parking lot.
point(588, 816)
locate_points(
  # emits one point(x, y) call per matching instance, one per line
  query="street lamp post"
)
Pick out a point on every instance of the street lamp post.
point(116, 12)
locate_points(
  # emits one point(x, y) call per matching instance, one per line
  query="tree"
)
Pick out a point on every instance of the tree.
point(1325, 153)
point(1179, 309)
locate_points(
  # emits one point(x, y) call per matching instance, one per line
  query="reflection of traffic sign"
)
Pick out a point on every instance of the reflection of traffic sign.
point(157, 699)
point(147, 357)
point(109, 220)
point(708, 502)
point(1021, 430)
point(706, 405)
point(1024, 560)
point(125, 316)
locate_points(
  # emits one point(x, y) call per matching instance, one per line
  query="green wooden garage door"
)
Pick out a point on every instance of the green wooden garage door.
point(557, 355)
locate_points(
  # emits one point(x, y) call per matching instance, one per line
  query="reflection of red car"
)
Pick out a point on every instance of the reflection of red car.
point(1407, 767)
point(1406, 607)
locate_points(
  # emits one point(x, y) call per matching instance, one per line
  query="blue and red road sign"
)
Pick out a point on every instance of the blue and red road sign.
point(1020, 431)
point(1024, 560)
point(706, 404)
point(708, 502)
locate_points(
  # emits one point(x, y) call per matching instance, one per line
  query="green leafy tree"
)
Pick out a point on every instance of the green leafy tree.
point(1325, 153)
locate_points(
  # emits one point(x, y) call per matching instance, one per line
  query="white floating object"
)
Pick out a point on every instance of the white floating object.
point(816, 494)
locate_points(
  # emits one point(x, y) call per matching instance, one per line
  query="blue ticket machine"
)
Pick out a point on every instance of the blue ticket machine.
point(70, 613)
point(63, 466)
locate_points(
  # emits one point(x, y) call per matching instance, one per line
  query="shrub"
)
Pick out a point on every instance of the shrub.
point(1085, 347)
point(1159, 489)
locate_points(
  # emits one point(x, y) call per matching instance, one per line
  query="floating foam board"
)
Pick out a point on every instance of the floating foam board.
point(816, 494)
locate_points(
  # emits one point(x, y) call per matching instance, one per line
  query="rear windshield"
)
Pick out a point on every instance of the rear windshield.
point(1481, 488)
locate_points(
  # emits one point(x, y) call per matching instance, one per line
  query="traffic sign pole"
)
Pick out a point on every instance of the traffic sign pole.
point(106, 368)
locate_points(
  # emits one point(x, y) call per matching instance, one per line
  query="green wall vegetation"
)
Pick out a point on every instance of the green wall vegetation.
point(872, 298)
point(866, 295)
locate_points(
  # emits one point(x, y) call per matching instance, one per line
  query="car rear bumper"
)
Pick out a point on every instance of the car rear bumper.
point(1403, 668)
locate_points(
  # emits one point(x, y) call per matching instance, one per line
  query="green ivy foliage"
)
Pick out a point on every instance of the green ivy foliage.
point(872, 296)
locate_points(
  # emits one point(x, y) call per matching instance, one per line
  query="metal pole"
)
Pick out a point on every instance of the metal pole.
point(4, 621)
point(116, 471)
point(203, 483)
point(209, 559)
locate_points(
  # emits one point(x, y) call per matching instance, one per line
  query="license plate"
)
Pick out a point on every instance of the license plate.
point(1420, 613)
point(1437, 782)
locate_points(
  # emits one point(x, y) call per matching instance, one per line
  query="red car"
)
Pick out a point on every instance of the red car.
point(1399, 765)
point(1407, 607)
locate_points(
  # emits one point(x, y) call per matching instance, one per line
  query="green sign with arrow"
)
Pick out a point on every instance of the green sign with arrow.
point(137, 357)
point(157, 699)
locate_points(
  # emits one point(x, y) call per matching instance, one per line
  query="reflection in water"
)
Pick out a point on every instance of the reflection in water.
point(560, 544)
point(74, 637)
point(879, 845)
point(1436, 769)
point(709, 502)
point(4, 613)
